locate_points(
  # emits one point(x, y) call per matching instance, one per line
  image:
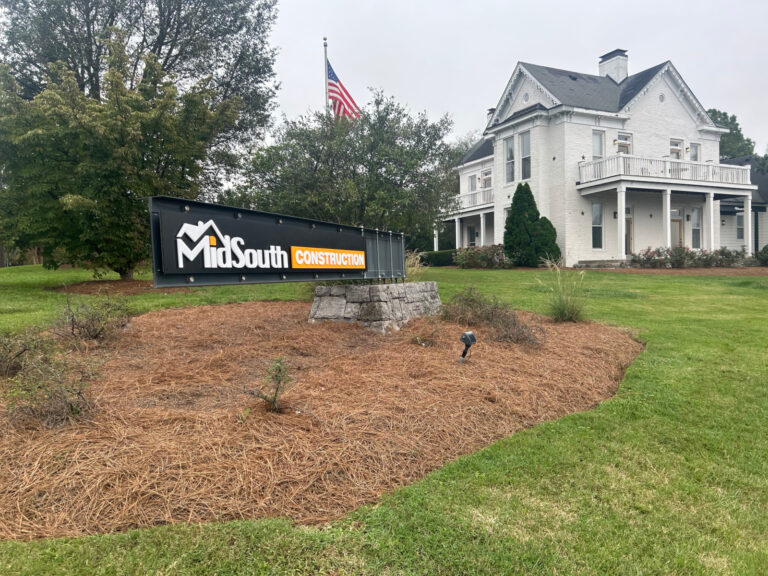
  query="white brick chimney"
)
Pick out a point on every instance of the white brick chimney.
point(615, 65)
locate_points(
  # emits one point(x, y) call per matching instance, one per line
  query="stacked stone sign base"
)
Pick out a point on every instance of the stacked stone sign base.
point(377, 306)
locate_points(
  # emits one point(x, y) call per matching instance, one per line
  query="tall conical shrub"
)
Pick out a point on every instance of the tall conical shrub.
point(527, 237)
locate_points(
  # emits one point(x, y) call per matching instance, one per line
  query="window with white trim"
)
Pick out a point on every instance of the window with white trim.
point(509, 155)
point(597, 226)
point(485, 179)
point(695, 152)
point(696, 228)
point(472, 185)
point(525, 155)
point(739, 226)
point(624, 143)
point(598, 140)
point(676, 149)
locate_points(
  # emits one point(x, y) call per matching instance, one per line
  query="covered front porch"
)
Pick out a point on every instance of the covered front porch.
point(657, 217)
point(472, 229)
point(636, 203)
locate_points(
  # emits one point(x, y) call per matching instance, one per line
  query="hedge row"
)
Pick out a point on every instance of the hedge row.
point(438, 257)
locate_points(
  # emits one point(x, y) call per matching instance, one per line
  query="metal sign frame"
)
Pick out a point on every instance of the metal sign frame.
point(238, 246)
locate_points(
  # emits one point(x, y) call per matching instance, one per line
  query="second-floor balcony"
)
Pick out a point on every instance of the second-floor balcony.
point(476, 198)
point(625, 165)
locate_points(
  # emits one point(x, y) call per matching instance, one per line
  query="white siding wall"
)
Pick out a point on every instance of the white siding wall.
point(762, 222)
point(578, 227)
point(653, 123)
point(473, 169)
point(728, 234)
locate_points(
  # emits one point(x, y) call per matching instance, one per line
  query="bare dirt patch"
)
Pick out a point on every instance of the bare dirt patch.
point(173, 437)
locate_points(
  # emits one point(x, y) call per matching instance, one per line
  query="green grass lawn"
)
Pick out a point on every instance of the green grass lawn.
point(669, 477)
point(26, 298)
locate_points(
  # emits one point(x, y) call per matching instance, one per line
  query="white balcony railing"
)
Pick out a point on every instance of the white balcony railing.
point(666, 168)
point(478, 198)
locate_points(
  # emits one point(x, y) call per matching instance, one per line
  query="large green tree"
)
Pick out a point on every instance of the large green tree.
point(388, 169)
point(227, 42)
point(734, 143)
point(528, 236)
point(76, 172)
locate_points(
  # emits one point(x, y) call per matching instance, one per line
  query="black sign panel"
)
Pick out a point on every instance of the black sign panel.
point(195, 243)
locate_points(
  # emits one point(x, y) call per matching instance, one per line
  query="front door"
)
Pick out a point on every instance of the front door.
point(676, 228)
point(628, 236)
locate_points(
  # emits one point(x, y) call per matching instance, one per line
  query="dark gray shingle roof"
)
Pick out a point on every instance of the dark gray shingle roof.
point(479, 150)
point(590, 91)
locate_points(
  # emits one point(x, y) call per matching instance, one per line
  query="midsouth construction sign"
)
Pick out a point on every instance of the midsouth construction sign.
point(194, 243)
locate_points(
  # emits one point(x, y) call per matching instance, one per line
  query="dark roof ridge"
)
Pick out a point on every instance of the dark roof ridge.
point(596, 75)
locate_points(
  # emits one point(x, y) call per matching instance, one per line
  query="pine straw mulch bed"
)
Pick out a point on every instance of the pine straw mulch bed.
point(170, 438)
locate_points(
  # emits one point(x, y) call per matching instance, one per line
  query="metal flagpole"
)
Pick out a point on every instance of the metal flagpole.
point(325, 50)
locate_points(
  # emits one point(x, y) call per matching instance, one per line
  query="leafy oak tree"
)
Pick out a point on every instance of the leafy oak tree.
point(388, 169)
point(75, 172)
point(528, 237)
point(226, 42)
point(734, 143)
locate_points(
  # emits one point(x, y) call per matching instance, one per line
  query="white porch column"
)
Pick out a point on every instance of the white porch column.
point(435, 244)
point(621, 224)
point(748, 234)
point(482, 228)
point(458, 232)
point(665, 216)
point(710, 210)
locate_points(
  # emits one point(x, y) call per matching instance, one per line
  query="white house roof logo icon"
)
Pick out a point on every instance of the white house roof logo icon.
point(195, 231)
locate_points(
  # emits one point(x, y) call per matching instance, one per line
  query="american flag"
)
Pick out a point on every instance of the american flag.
point(342, 102)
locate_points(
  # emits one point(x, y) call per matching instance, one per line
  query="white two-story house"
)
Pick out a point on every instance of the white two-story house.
point(618, 163)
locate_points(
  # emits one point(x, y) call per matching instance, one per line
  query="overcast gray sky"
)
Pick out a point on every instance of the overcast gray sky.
point(451, 57)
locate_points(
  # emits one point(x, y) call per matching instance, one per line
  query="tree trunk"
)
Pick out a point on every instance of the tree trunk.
point(126, 274)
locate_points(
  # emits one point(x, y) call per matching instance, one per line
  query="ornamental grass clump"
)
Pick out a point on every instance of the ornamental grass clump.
point(566, 292)
point(472, 308)
point(414, 266)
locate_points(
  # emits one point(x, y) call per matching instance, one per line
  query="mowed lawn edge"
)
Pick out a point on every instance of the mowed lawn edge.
point(669, 477)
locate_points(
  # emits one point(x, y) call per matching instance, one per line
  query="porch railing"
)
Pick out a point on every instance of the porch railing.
point(478, 198)
point(667, 168)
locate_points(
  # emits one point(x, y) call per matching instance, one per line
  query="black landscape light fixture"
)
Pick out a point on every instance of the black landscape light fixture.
point(468, 338)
